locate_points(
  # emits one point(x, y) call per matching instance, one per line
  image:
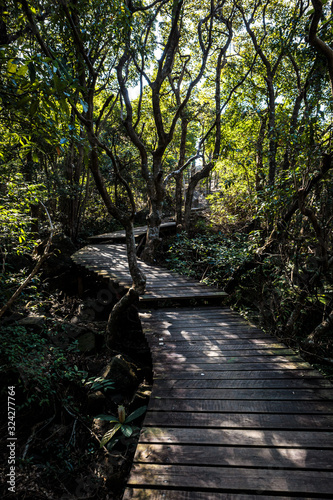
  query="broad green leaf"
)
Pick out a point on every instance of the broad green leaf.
point(22, 70)
point(126, 430)
point(108, 418)
point(64, 106)
point(109, 435)
point(11, 67)
point(33, 107)
point(135, 414)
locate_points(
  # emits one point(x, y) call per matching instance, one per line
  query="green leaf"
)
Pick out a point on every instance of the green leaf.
point(11, 67)
point(137, 413)
point(108, 418)
point(126, 430)
point(22, 70)
point(109, 435)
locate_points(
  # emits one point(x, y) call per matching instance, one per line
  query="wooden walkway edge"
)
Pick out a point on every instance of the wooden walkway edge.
point(234, 414)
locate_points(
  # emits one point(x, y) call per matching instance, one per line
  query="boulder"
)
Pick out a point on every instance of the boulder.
point(122, 373)
point(87, 342)
point(96, 403)
point(141, 397)
point(36, 323)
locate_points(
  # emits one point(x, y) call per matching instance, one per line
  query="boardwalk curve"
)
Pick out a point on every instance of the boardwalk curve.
point(234, 414)
point(110, 261)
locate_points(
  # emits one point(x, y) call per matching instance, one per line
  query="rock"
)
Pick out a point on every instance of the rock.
point(122, 373)
point(96, 403)
point(141, 397)
point(37, 323)
point(87, 342)
point(13, 318)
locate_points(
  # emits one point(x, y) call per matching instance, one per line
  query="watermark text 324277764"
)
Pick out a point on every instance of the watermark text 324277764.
point(11, 440)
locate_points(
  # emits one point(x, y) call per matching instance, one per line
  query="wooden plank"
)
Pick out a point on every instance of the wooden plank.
point(186, 294)
point(245, 406)
point(197, 362)
point(232, 479)
point(222, 318)
point(207, 367)
point(162, 281)
point(138, 231)
point(111, 261)
point(233, 412)
point(222, 327)
point(204, 350)
point(239, 420)
point(220, 315)
point(261, 383)
point(197, 376)
point(162, 494)
point(238, 437)
point(215, 344)
point(219, 343)
point(287, 458)
point(206, 334)
point(257, 394)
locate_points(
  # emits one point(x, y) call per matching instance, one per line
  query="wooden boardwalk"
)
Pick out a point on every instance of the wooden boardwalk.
point(110, 261)
point(234, 414)
point(119, 236)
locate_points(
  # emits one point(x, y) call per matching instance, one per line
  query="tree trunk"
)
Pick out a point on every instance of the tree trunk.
point(271, 131)
point(154, 220)
point(114, 332)
point(317, 42)
point(324, 327)
point(139, 279)
point(179, 178)
point(194, 180)
point(259, 155)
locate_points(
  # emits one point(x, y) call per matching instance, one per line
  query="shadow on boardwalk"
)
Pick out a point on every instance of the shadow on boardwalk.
point(233, 414)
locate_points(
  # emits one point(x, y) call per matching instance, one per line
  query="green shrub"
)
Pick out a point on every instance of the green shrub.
point(39, 367)
point(211, 258)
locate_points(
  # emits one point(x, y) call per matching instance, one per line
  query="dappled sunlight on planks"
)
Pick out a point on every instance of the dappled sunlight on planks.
point(233, 414)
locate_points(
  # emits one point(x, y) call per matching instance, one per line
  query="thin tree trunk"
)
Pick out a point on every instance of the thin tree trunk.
point(259, 155)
